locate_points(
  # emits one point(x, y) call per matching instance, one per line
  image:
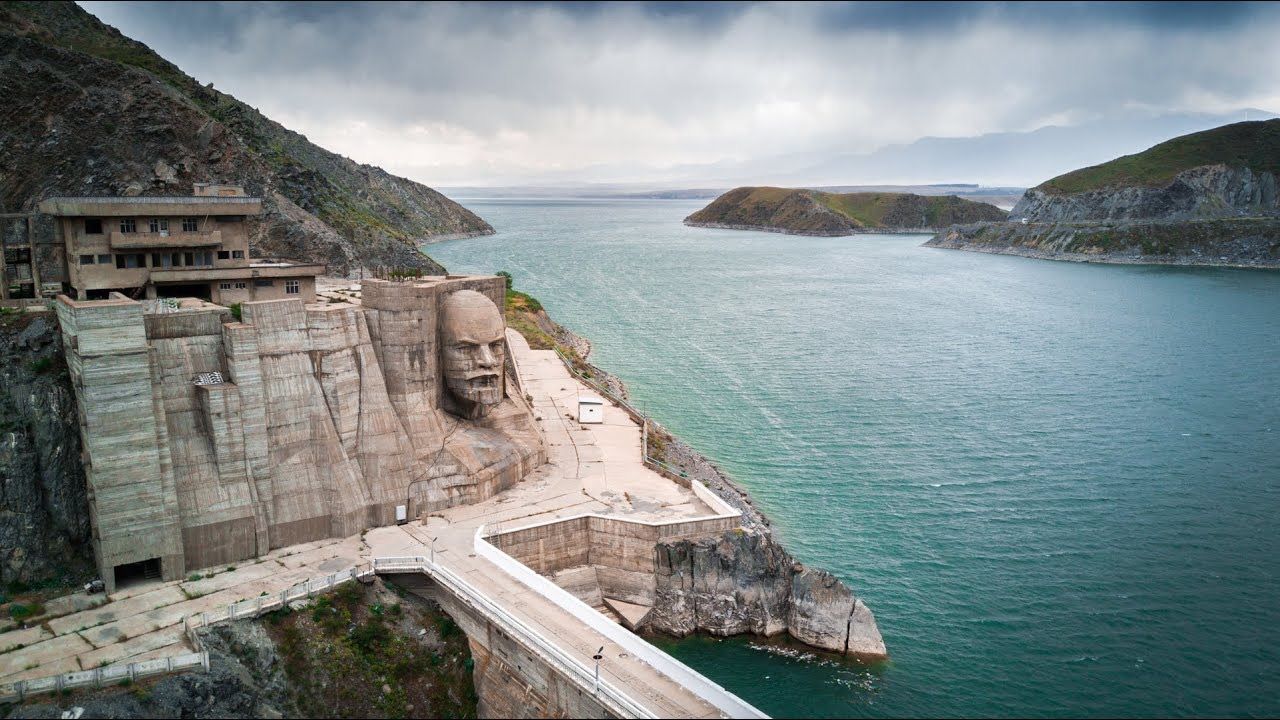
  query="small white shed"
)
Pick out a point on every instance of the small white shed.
point(590, 409)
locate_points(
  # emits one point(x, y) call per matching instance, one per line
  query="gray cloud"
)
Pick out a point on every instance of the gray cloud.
point(452, 94)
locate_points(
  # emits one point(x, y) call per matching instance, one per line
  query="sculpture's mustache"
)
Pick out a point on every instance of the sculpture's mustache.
point(486, 379)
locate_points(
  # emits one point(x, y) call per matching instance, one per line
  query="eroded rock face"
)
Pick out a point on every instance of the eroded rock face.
point(738, 582)
point(1211, 191)
point(819, 611)
point(745, 582)
point(44, 512)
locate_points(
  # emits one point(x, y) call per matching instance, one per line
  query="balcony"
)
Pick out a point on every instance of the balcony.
point(161, 241)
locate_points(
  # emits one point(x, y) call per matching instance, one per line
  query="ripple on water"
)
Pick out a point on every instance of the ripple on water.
point(1055, 484)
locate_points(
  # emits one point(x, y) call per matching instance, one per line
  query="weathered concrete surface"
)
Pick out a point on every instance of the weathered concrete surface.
point(328, 417)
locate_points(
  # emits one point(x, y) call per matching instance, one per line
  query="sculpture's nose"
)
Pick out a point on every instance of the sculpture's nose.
point(487, 358)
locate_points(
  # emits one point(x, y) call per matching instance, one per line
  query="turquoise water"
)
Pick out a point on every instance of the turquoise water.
point(1056, 485)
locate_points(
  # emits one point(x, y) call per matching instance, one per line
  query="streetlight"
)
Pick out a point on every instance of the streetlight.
point(433, 551)
point(598, 657)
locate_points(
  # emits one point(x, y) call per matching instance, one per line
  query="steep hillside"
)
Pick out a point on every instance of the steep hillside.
point(88, 111)
point(1229, 171)
point(810, 212)
point(1208, 198)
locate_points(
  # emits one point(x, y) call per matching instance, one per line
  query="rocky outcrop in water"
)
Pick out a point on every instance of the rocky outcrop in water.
point(811, 212)
point(44, 513)
point(745, 582)
point(1235, 242)
point(88, 111)
point(1213, 191)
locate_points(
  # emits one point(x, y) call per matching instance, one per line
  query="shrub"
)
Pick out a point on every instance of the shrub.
point(41, 365)
point(235, 312)
point(506, 275)
point(22, 612)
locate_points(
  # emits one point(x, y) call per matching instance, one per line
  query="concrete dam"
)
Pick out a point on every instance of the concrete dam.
point(404, 432)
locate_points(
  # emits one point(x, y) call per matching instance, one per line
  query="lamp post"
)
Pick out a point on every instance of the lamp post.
point(433, 551)
point(598, 657)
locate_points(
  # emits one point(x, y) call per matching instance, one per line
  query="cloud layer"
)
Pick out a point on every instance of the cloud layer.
point(485, 94)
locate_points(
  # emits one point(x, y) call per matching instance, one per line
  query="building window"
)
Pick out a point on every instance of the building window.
point(241, 286)
point(86, 259)
point(93, 226)
point(128, 225)
point(104, 259)
point(160, 225)
point(291, 287)
point(128, 261)
point(224, 254)
point(263, 283)
point(190, 225)
point(237, 254)
point(224, 286)
point(204, 258)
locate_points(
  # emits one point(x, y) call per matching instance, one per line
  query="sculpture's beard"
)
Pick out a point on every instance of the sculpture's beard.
point(484, 388)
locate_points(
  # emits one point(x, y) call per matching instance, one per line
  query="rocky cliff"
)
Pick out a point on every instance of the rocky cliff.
point(810, 212)
point(44, 513)
point(1209, 198)
point(745, 582)
point(88, 111)
point(1209, 191)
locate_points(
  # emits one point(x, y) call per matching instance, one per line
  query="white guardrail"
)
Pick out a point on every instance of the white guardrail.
point(723, 700)
point(571, 668)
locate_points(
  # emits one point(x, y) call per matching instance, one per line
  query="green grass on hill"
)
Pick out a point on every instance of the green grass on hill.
point(1255, 145)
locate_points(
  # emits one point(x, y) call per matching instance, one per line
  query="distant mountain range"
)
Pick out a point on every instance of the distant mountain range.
point(1001, 160)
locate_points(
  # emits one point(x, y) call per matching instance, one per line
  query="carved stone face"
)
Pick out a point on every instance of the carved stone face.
point(473, 349)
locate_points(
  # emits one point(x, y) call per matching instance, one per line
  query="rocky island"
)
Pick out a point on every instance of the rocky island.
point(1208, 198)
point(812, 212)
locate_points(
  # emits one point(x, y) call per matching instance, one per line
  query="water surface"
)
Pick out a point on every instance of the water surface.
point(1055, 484)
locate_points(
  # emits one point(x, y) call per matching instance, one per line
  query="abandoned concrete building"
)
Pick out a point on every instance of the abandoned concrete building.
point(209, 440)
point(155, 247)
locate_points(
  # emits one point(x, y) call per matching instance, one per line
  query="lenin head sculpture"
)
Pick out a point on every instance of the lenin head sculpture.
point(473, 352)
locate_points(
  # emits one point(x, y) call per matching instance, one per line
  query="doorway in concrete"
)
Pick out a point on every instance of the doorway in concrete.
point(135, 573)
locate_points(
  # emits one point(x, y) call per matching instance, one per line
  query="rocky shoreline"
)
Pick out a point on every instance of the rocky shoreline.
point(1250, 242)
point(744, 581)
point(843, 233)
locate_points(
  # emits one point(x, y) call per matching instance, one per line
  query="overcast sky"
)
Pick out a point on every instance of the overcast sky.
point(487, 94)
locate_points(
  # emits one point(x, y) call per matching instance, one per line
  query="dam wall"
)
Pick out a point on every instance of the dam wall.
point(210, 439)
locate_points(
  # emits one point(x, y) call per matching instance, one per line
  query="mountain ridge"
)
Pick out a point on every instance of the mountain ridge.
point(96, 113)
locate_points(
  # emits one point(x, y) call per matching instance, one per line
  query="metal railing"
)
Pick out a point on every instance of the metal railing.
point(644, 420)
point(568, 666)
point(715, 695)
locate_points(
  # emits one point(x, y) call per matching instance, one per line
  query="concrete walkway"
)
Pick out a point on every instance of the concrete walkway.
point(592, 468)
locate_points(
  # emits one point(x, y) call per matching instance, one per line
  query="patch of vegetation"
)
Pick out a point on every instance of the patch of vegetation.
point(236, 312)
point(41, 365)
point(353, 655)
point(1254, 145)
point(20, 612)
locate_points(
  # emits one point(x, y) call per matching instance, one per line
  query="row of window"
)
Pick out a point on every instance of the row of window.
point(93, 226)
point(291, 287)
point(198, 258)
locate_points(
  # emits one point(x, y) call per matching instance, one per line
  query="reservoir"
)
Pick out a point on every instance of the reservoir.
point(1055, 484)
